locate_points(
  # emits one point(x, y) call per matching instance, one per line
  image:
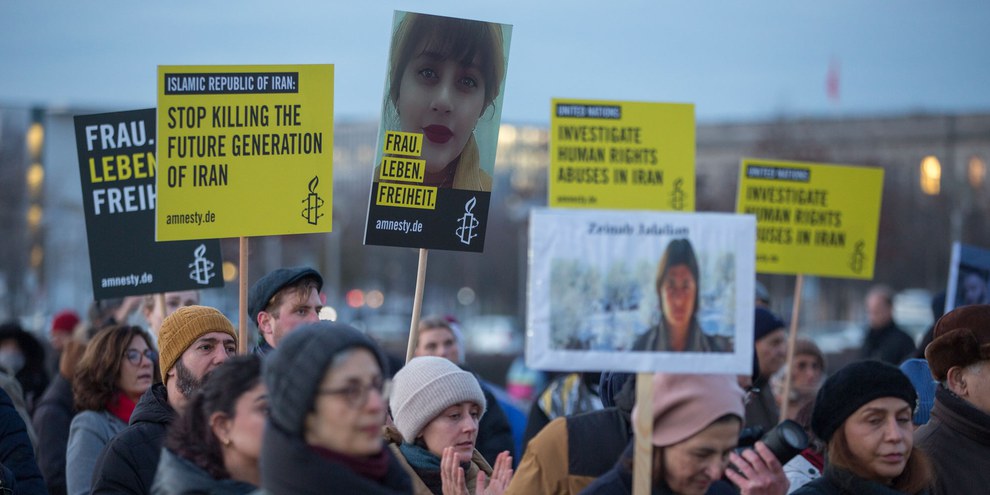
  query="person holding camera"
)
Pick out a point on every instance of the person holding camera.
point(863, 413)
point(696, 424)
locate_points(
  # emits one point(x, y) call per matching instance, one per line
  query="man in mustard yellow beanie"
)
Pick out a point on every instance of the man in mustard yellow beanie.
point(192, 342)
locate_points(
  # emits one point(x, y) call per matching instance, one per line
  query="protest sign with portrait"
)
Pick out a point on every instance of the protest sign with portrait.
point(641, 291)
point(435, 159)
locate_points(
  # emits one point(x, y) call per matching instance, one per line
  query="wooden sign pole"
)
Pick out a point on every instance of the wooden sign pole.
point(242, 294)
point(417, 304)
point(643, 456)
point(791, 340)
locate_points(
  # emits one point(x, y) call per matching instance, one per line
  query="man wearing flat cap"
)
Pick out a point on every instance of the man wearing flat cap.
point(193, 341)
point(281, 301)
point(957, 438)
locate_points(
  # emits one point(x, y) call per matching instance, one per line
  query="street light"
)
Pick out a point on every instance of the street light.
point(931, 175)
point(976, 172)
point(35, 139)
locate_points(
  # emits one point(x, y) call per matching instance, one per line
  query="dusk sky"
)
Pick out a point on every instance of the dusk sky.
point(736, 61)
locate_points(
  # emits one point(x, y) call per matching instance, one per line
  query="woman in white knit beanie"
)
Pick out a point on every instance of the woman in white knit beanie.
point(435, 408)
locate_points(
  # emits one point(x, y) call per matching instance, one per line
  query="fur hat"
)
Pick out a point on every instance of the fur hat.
point(961, 338)
point(181, 328)
point(294, 371)
point(683, 405)
point(424, 387)
point(853, 386)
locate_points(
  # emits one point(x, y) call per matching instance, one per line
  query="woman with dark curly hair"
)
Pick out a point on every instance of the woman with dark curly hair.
point(118, 367)
point(215, 446)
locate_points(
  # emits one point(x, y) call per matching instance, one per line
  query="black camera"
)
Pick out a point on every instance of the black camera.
point(785, 440)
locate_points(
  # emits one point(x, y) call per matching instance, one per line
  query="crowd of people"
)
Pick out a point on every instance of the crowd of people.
point(318, 407)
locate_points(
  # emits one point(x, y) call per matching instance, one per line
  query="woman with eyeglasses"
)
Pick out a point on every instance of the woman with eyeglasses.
point(215, 446)
point(326, 386)
point(436, 408)
point(678, 295)
point(119, 365)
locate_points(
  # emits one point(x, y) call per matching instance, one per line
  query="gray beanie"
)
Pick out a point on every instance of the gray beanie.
point(424, 387)
point(294, 371)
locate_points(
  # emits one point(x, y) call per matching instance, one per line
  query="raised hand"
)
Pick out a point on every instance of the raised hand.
point(761, 474)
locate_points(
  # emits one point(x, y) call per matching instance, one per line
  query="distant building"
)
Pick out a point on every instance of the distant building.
point(44, 260)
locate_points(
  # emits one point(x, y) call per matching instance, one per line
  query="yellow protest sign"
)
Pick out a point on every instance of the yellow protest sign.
point(624, 155)
point(812, 219)
point(244, 150)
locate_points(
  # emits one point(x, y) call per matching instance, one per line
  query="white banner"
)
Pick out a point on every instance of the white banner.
point(641, 291)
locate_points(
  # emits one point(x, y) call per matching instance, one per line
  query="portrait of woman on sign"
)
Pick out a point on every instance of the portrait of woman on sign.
point(678, 293)
point(445, 83)
point(973, 288)
point(641, 291)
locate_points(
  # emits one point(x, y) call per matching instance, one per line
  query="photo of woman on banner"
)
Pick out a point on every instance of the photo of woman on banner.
point(445, 81)
point(678, 294)
point(972, 287)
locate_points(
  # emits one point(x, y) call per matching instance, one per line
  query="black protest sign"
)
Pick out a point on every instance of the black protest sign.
point(117, 169)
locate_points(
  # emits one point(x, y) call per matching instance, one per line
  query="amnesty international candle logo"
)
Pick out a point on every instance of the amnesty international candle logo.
point(313, 203)
point(858, 257)
point(468, 223)
point(677, 195)
point(202, 268)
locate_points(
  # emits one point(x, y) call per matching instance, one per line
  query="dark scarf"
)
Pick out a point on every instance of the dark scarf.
point(374, 467)
point(288, 465)
point(426, 464)
point(961, 416)
point(848, 482)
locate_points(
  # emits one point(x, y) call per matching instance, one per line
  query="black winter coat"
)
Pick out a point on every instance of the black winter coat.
point(288, 465)
point(179, 476)
point(51, 420)
point(129, 461)
point(841, 482)
point(889, 344)
point(618, 481)
point(494, 432)
point(16, 452)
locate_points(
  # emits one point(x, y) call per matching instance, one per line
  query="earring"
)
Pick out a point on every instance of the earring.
point(226, 442)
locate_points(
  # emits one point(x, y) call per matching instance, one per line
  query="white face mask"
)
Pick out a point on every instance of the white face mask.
point(12, 361)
